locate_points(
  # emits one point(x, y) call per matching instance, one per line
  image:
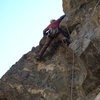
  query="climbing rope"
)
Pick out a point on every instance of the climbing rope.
point(72, 78)
point(73, 65)
point(72, 72)
point(68, 30)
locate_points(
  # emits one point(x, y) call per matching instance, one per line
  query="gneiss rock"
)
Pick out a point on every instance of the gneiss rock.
point(50, 78)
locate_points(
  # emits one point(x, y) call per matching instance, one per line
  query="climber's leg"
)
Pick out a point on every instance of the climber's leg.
point(52, 34)
point(45, 46)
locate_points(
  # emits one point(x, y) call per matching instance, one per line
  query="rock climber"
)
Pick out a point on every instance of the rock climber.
point(51, 32)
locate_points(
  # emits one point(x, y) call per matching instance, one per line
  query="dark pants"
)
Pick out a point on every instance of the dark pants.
point(53, 34)
point(45, 46)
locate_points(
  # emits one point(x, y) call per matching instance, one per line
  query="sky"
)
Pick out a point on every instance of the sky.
point(21, 26)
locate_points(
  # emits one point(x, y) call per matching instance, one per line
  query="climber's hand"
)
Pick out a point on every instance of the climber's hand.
point(46, 33)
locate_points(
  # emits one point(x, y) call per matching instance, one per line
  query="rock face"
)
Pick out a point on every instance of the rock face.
point(50, 78)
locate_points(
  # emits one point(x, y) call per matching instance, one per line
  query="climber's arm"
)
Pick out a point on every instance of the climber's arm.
point(45, 31)
point(62, 17)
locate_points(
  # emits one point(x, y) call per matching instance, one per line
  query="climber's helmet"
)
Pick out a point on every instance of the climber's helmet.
point(52, 20)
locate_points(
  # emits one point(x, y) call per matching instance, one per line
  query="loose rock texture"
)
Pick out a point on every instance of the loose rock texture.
point(50, 78)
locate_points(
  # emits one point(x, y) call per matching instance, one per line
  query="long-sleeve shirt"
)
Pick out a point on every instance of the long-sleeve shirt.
point(54, 24)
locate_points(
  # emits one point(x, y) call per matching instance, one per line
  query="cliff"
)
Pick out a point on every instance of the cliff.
point(50, 78)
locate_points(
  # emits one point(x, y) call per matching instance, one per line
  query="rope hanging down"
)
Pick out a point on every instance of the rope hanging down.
point(72, 77)
point(72, 73)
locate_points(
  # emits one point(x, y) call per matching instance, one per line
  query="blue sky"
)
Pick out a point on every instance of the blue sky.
point(21, 26)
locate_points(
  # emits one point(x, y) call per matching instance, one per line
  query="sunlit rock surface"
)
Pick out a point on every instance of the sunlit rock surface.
point(50, 78)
